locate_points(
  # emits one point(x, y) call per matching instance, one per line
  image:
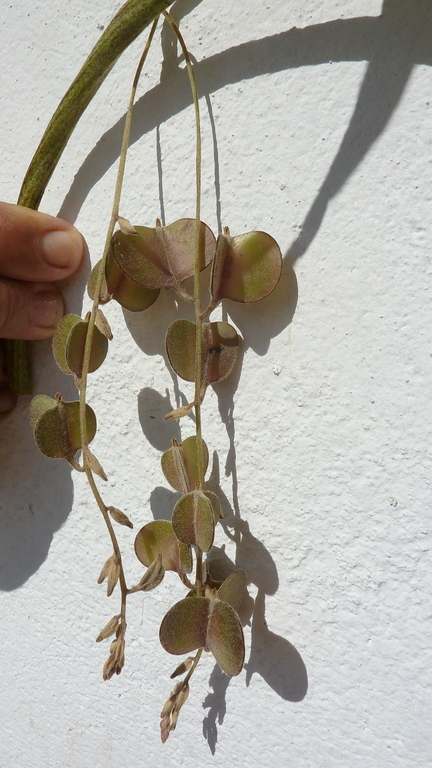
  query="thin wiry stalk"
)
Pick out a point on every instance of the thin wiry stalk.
point(91, 325)
point(197, 270)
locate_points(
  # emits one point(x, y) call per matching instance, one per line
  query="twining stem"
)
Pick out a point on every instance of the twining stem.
point(92, 318)
point(127, 24)
point(197, 270)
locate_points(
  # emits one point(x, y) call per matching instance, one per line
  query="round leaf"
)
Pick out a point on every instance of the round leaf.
point(221, 343)
point(180, 464)
point(57, 429)
point(163, 256)
point(225, 637)
point(199, 622)
point(60, 338)
point(158, 538)
point(180, 346)
point(75, 346)
point(184, 627)
point(116, 285)
point(216, 505)
point(246, 268)
point(38, 406)
point(233, 589)
point(193, 520)
point(219, 350)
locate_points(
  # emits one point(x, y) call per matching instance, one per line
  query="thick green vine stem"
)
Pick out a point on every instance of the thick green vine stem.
point(124, 28)
point(126, 25)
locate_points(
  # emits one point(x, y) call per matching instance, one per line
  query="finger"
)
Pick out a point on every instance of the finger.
point(37, 247)
point(29, 310)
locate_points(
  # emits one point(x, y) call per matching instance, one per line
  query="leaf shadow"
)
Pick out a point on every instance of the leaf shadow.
point(272, 656)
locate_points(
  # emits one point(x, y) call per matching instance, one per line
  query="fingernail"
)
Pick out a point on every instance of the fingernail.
point(62, 248)
point(46, 309)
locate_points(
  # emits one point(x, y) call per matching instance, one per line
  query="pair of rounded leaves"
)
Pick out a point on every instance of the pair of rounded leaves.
point(220, 344)
point(210, 623)
point(69, 343)
point(246, 268)
point(197, 512)
point(163, 257)
point(56, 427)
point(115, 285)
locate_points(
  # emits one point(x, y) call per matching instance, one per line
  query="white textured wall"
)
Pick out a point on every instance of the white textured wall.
point(323, 129)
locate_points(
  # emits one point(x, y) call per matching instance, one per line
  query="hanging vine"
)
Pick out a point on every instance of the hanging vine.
point(137, 263)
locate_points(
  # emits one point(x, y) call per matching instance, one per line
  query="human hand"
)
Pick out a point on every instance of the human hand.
point(36, 250)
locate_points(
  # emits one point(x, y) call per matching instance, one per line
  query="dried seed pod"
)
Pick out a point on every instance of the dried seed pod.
point(109, 629)
point(115, 661)
point(152, 577)
point(183, 667)
point(119, 516)
point(94, 464)
point(111, 572)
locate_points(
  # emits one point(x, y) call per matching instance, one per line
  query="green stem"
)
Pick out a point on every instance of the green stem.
point(127, 24)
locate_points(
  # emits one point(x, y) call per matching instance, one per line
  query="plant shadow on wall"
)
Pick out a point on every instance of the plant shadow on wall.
point(392, 44)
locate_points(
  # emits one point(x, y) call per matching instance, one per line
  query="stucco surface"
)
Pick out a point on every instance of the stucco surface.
point(317, 125)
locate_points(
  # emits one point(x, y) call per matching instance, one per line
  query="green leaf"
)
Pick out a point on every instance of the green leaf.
point(233, 589)
point(184, 627)
point(57, 428)
point(38, 406)
point(69, 343)
point(200, 622)
point(219, 350)
point(221, 344)
point(158, 538)
point(163, 257)
point(246, 268)
point(116, 285)
point(225, 637)
point(180, 346)
point(216, 505)
point(193, 520)
point(75, 346)
point(180, 464)
point(60, 340)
